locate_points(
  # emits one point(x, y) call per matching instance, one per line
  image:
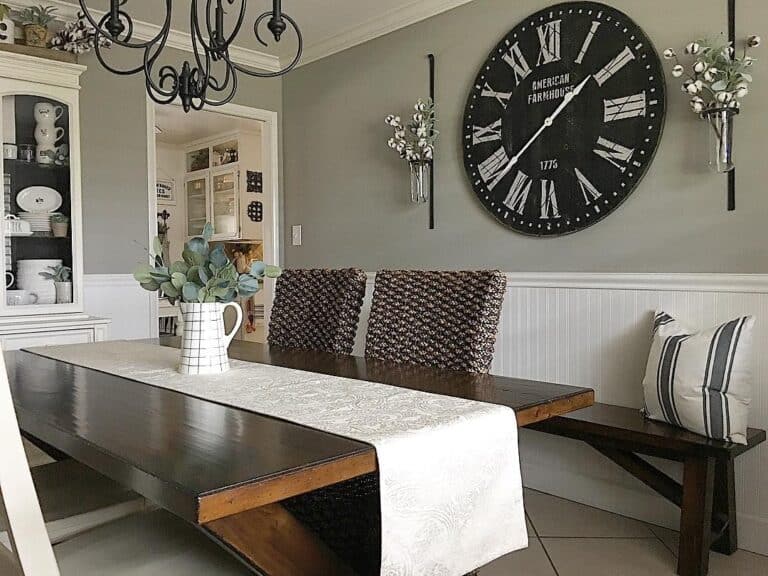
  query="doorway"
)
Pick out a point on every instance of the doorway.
point(219, 166)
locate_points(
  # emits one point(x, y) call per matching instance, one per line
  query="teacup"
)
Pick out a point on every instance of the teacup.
point(20, 297)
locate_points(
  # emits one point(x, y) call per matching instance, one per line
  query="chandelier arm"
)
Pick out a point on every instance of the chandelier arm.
point(98, 25)
point(229, 97)
point(291, 66)
point(148, 67)
point(238, 25)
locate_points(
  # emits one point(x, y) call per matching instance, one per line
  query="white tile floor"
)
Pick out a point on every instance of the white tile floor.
point(569, 539)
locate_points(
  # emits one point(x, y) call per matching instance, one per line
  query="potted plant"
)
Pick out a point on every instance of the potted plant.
point(7, 25)
point(35, 20)
point(62, 279)
point(59, 225)
point(205, 283)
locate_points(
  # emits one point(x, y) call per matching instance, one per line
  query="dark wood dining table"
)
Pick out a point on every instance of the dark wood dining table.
point(227, 470)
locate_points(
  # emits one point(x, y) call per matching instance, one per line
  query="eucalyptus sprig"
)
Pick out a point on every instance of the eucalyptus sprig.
point(57, 273)
point(204, 275)
point(415, 142)
point(716, 77)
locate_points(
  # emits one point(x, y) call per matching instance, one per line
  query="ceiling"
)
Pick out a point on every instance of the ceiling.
point(178, 130)
point(328, 26)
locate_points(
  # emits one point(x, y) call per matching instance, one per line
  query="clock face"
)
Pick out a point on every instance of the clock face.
point(564, 119)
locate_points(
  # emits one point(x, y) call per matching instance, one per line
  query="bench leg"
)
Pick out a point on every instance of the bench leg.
point(724, 507)
point(696, 516)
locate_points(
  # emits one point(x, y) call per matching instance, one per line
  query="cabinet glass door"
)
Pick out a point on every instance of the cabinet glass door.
point(37, 204)
point(197, 205)
point(224, 202)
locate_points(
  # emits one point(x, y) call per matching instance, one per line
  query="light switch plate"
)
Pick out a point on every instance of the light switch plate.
point(296, 235)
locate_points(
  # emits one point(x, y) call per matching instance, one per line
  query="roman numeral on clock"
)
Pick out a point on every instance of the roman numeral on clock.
point(587, 188)
point(502, 97)
point(627, 107)
point(549, 39)
point(587, 42)
point(492, 170)
point(616, 154)
point(484, 134)
point(514, 57)
point(518, 193)
point(549, 207)
point(624, 58)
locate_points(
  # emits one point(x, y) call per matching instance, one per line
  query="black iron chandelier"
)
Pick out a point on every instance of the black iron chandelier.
point(211, 77)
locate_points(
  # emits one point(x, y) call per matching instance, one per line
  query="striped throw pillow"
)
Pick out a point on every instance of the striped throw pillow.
point(701, 381)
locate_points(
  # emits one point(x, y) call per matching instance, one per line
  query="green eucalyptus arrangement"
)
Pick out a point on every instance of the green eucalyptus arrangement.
point(716, 77)
point(37, 15)
point(204, 275)
point(58, 218)
point(58, 273)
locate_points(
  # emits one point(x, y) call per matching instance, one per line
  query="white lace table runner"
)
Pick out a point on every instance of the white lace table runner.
point(451, 492)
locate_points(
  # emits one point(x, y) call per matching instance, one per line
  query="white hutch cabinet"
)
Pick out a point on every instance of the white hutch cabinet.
point(41, 173)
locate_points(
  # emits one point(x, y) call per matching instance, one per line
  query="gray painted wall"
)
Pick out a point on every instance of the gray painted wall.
point(350, 192)
point(114, 152)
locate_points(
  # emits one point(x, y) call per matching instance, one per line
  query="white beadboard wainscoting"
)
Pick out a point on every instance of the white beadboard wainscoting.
point(594, 330)
point(120, 298)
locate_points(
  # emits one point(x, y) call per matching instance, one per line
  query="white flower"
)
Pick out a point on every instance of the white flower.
point(686, 84)
point(692, 88)
point(421, 131)
point(697, 107)
point(699, 85)
point(422, 142)
point(390, 119)
point(723, 97)
point(700, 67)
point(754, 41)
point(677, 70)
point(741, 91)
point(669, 54)
point(734, 104)
point(749, 61)
point(392, 143)
point(419, 117)
point(692, 48)
point(711, 74)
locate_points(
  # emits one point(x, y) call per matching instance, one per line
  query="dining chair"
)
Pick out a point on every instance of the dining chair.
point(317, 310)
point(142, 544)
point(437, 319)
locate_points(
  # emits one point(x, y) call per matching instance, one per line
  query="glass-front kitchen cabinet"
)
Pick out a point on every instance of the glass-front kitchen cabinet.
point(41, 213)
point(216, 186)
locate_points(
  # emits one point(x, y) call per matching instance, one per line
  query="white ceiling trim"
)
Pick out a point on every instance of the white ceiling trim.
point(379, 26)
point(144, 31)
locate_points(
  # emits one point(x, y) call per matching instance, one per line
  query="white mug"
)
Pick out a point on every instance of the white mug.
point(10, 151)
point(9, 279)
point(20, 298)
point(47, 112)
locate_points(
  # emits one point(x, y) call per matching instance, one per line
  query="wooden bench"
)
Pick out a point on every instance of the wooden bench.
point(707, 496)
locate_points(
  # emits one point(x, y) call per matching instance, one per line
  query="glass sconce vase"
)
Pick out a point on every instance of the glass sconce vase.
point(421, 180)
point(721, 126)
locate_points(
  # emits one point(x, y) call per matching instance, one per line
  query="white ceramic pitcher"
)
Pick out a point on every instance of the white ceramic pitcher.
point(204, 342)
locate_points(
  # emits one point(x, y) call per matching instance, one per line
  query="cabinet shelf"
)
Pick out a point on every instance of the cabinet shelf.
point(12, 164)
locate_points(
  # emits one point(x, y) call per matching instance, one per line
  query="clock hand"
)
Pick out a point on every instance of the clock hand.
point(547, 123)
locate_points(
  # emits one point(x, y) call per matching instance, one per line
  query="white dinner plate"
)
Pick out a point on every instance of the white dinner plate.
point(39, 199)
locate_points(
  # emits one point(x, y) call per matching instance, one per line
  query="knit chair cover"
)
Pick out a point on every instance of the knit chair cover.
point(437, 319)
point(317, 310)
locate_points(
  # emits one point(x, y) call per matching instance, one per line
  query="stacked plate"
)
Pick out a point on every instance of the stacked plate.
point(38, 204)
point(38, 222)
point(28, 278)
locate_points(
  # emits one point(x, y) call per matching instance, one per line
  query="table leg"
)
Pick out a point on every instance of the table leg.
point(696, 516)
point(724, 507)
point(272, 540)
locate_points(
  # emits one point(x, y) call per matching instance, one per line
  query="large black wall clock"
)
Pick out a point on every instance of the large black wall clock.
point(564, 119)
